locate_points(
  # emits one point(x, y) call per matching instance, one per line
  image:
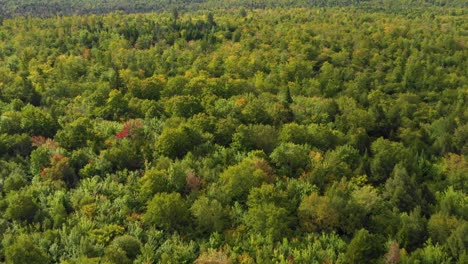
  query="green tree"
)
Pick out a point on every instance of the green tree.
point(322, 137)
point(58, 208)
point(209, 215)
point(294, 133)
point(440, 227)
point(183, 106)
point(291, 159)
point(168, 211)
point(116, 106)
point(176, 142)
point(21, 88)
point(176, 250)
point(40, 158)
point(213, 256)
point(129, 244)
point(401, 190)
point(21, 206)
point(385, 155)
point(430, 254)
point(317, 214)
point(364, 247)
point(457, 243)
point(123, 155)
point(442, 131)
point(76, 134)
point(412, 231)
point(37, 122)
point(456, 169)
point(237, 180)
point(24, 250)
point(114, 254)
point(149, 88)
point(353, 116)
point(269, 220)
point(224, 130)
point(152, 182)
point(454, 203)
point(329, 79)
point(60, 170)
point(270, 213)
point(255, 137)
point(15, 181)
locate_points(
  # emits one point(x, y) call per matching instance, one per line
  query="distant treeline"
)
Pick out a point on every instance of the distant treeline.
point(47, 8)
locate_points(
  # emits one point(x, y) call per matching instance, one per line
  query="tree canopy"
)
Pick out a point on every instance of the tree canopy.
point(233, 131)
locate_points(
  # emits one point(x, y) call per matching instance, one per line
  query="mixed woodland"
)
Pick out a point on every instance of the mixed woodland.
point(47, 8)
point(234, 135)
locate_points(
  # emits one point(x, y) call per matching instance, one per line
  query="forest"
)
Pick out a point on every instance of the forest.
point(48, 8)
point(281, 134)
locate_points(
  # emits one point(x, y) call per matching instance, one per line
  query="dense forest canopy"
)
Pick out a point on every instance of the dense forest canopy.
point(277, 135)
point(47, 8)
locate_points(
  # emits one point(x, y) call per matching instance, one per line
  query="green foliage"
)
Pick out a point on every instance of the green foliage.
point(314, 109)
point(130, 245)
point(176, 250)
point(440, 227)
point(237, 180)
point(114, 254)
point(209, 215)
point(268, 220)
point(269, 212)
point(456, 169)
point(294, 133)
point(430, 254)
point(58, 209)
point(454, 203)
point(412, 231)
point(363, 247)
point(123, 155)
point(458, 243)
point(148, 88)
point(168, 179)
point(290, 159)
point(176, 142)
point(76, 134)
point(255, 137)
point(183, 106)
point(15, 181)
point(168, 211)
point(317, 248)
point(317, 214)
point(40, 158)
point(21, 88)
point(233, 131)
point(60, 170)
point(351, 215)
point(35, 121)
point(152, 182)
point(385, 155)
point(23, 250)
point(213, 256)
point(323, 137)
point(21, 206)
point(368, 198)
point(15, 145)
point(399, 189)
point(67, 7)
